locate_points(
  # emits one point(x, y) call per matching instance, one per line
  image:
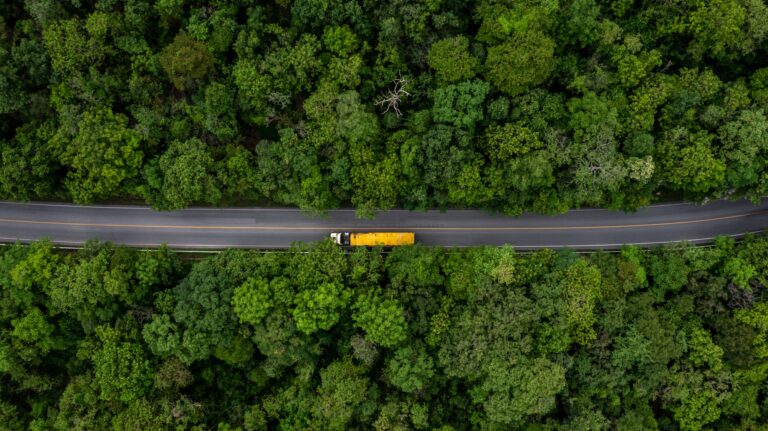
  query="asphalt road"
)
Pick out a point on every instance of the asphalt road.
point(207, 228)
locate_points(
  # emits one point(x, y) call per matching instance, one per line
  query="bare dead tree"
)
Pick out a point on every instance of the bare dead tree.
point(142, 314)
point(391, 99)
point(740, 297)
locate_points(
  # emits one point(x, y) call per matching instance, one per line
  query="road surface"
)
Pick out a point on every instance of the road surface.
point(207, 228)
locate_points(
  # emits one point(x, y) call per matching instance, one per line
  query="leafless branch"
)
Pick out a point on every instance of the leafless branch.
point(740, 298)
point(391, 99)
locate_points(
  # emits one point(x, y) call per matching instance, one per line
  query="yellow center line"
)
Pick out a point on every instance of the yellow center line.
point(398, 228)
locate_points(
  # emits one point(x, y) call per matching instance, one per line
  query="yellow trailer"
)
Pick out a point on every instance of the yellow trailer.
point(370, 239)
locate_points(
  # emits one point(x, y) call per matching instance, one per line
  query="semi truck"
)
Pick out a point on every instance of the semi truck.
point(371, 239)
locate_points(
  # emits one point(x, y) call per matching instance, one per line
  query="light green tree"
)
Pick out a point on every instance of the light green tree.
point(103, 154)
point(34, 330)
point(252, 301)
point(182, 175)
point(381, 319)
point(688, 163)
point(739, 271)
point(319, 309)
point(342, 390)
point(524, 61)
point(581, 290)
point(410, 369)
point(703, 351)
point(122, 370)
point(451, 60)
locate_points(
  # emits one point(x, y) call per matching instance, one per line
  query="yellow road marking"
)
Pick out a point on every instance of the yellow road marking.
point(323, 228)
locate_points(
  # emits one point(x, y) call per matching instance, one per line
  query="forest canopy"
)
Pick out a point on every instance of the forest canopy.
point(538, 105)
point(315, 338)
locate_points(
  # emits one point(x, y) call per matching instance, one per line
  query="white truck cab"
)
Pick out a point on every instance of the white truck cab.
point(340, 238)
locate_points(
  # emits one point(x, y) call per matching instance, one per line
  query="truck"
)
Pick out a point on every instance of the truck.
point(371, 239)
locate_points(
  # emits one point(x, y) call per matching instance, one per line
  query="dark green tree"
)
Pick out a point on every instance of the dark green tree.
point(186, 62)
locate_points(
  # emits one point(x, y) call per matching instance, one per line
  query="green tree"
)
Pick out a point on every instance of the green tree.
point(697, 410)
point(181, 176)
point(739, 271)
point(743, 141)
point(34, 330)
point(186, 62)
point(122, 371)
point(688, 163)
point(381, 319)
point(288, 172)
point(236, 174)
point(460, 104)
point(253, 88)
point(468, 188)
point(93, 289)
point(532, 390)
point(33, 273)
point(320, 308)
point(342, 392)
point(159, 268)
point(162, 335)
point(410, 369)
point(103, 154)
point(173, 374)
point(511, 140)
point(354, 123)
point(201, 316)
point(220, 111)
point(581, 287)
point(634, 64)
point(452, 61)
point(524, 61)
point(340, 40)
point(12, 95)
point(140, 414)
point(719, 28)
point(703, 351)
point(28, 166)
point(755, 318)
point(69, 48)
point(377, 184)
point(414, 266)
point(582, 22)
point(253, 300)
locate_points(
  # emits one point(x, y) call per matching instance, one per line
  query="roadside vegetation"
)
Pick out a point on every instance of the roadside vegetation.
point(512, 105)
point(416, 339)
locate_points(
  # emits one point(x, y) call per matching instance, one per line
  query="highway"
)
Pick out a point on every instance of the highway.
point(272, 228)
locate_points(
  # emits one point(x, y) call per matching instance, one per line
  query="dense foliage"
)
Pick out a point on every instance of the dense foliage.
point(527, 104)
point(419, 338)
